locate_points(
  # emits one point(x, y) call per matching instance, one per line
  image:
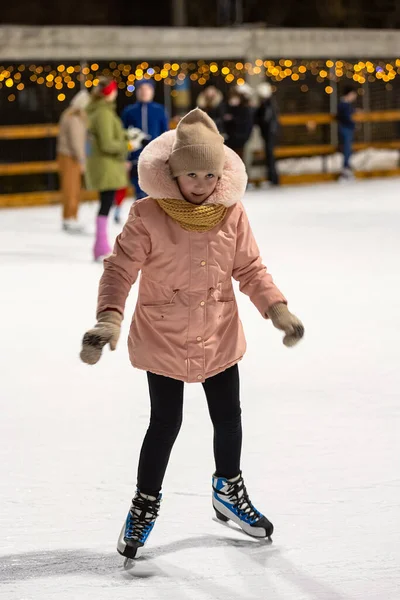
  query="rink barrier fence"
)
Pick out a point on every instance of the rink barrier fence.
point(34, 167)
point(13, 132)
point(22, 132)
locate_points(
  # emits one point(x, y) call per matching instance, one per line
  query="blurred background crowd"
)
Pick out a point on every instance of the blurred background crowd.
point(302, 95)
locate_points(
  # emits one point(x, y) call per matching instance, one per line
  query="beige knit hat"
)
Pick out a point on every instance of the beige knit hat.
point(198, 145)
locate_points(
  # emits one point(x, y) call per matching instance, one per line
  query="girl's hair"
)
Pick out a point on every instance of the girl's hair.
point(96, 92)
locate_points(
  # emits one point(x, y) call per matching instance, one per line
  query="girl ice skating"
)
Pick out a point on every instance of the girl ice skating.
point(188, 239)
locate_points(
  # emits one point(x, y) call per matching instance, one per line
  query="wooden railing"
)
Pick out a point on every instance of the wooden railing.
point(22, 132)
point(324, 119)
point(28, 132)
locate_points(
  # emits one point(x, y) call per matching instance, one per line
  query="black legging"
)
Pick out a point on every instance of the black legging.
point(106, 202)
point(166, 397)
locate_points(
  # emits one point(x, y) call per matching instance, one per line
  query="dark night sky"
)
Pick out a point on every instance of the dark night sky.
point(275, 13)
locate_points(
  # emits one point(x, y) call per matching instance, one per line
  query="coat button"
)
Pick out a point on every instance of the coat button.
point(203, 263)
point(198, 338)
point(199, 376)
point(202, 303)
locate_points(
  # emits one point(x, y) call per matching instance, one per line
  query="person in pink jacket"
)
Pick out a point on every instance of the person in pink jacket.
point(188, 238)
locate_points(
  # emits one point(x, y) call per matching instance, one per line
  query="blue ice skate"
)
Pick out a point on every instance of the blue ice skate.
point(231, 503)
point(138, 525)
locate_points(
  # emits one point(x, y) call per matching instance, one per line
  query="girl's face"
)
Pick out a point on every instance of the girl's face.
point(196, 187)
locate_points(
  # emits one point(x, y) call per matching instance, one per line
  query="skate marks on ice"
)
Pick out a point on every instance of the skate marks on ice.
point(189, 582)
point(270, 565)
point(186, 582)
point(56, 563)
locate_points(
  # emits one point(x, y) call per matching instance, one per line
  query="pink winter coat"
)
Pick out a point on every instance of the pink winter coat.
point(186, 323)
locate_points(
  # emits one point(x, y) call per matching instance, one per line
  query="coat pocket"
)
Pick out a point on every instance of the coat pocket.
point(163, 317)
point(171, 302)
point(221, 296)
point(220, 305)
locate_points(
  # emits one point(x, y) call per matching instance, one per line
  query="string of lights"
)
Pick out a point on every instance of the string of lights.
point(14, 78)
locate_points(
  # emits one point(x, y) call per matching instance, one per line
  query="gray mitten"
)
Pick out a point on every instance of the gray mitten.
point(106, 331)
point(283, 319)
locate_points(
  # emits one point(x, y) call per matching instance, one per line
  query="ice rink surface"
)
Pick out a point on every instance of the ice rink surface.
point(321, 421)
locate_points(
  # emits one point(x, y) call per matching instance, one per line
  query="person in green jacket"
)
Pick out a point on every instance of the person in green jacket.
point(107, 154)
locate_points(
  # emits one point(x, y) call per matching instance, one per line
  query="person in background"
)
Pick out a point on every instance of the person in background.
point(212, 102)
point(238, 120)
point(267, 119)
point(106, 169)
point(346, 126)
point(151, 119)
point(71, 157)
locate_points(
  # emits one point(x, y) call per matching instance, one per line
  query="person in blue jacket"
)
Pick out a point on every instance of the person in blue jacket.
point(346, 126)
point(148, 116)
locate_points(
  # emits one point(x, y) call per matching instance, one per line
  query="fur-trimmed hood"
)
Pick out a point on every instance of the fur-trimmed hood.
point(156, 180)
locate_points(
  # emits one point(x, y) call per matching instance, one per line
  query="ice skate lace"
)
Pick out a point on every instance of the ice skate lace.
point(239, 497)
point(143, 514)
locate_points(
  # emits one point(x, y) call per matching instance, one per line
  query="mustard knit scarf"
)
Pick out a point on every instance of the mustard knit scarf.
point(193, 217)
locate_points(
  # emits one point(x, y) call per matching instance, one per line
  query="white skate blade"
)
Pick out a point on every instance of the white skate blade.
point(129, 563)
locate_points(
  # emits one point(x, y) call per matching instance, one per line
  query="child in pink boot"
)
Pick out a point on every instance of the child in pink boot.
point(106, 162)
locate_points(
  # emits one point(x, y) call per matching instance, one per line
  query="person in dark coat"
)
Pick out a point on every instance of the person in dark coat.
point(346, 126)
point(267, 119)
point(149, 119)
point(212, 102)
point(238, 121)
